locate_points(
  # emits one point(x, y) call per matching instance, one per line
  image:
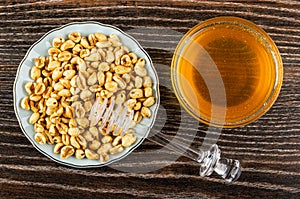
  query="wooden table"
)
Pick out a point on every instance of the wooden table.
point(269, 149)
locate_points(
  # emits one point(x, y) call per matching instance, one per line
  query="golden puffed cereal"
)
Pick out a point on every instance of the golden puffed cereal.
point(66, 152)
point(25, 103)
point(66, 83)
point(140, 70)
point(74, 142)
point(116, 149)
point(149, 101)
point(67, 45)
point(34, 118)
point(128, 140)
point(57, 42)
point(40, 138)
point(79, 153)
point(75, 36)
point(91, 155)
point(58, 147)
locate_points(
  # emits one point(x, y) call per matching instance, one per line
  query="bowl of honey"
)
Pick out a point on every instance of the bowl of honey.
point(226, 72)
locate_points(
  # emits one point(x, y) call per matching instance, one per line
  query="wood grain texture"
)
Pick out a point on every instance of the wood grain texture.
point(269, 149)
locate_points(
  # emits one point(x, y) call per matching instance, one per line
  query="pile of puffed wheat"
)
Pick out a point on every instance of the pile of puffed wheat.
point(66, 84)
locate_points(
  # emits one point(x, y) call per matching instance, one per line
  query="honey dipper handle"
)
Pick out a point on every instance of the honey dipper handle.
point(228, 169)
point(209, 160)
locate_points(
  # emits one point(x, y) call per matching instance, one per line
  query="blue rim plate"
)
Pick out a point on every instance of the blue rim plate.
point(40, 48)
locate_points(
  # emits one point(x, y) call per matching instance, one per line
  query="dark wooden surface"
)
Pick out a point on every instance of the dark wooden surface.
point(269, 148)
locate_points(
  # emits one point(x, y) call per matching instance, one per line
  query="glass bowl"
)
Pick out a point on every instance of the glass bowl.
point(226, 72)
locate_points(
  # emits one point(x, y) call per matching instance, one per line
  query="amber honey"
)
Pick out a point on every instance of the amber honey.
point(227, 72)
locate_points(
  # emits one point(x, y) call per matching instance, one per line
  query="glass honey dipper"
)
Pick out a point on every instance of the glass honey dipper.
point(119, 118)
